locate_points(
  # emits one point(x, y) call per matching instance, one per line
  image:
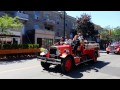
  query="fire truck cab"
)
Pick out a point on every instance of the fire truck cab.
point(64, 56)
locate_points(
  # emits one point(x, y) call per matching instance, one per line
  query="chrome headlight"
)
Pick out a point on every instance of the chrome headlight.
point(66, 51)
point(58, 52)
point(44, 52)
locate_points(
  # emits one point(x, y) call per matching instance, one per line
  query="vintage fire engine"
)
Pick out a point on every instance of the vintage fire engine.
point(64, 56)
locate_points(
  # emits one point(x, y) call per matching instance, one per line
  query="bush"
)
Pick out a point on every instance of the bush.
point(25, 46)
point(7, 46)
point(36, 45)
point(0, 46)
point(17, 46)
point(20, 46)
point(14, 46)
point(30, 45)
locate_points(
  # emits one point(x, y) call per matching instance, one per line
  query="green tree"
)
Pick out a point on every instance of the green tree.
point(116, 33)
point(8, 23)
point(85, 26)
point(97, 27)
point(106, 35)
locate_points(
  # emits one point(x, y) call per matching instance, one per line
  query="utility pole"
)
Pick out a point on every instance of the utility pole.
point(64, 24)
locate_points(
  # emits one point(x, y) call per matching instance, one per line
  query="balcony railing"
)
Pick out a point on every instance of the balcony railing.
point(22, 16)
point(49, 22)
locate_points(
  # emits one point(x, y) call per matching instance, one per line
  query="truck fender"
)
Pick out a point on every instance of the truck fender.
point(64, 55)
point(118, 49)
point(107, 49)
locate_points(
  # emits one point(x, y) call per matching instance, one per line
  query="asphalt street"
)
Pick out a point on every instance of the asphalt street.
point(107, 67)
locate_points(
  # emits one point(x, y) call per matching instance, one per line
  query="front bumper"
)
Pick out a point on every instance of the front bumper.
point(49, 60)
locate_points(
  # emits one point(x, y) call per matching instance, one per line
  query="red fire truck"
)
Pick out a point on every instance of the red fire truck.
point(64, 56)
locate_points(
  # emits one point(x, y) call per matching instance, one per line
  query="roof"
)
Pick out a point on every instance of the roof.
point(9, 36)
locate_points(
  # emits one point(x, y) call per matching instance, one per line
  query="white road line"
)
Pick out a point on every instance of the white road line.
point(18, 69)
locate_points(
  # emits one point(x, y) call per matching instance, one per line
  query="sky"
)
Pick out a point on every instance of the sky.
point(103, 18)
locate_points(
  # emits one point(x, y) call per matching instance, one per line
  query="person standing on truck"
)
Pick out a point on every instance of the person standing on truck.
point(80, 37)
point(75, 44)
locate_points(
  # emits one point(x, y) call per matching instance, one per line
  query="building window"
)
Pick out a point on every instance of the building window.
point(21, 11)
point(73, 25)
point(36, 14)
point(36, 27)
point(57, 22)
point(66, 23)
point(48, 28)
point(57, 34)
point(46, 17)
point(46, 43)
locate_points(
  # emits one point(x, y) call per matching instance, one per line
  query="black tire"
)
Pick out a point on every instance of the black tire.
point(108, 52)
point(65, 69)
point(95, 58)
point(45, 65)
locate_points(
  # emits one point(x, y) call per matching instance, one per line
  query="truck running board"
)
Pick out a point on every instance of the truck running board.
point(84, 61)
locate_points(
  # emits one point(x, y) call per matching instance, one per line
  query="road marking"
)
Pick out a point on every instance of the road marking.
point(18, 69)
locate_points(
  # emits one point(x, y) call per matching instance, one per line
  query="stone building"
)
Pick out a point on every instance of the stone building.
point(43, 27)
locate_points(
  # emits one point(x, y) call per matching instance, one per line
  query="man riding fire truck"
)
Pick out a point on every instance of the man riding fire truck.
point(68, 55)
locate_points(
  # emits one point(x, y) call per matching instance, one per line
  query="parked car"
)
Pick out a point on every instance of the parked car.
point(113, 48)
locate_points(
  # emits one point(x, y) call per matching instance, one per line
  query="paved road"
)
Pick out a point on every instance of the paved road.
point(107, 67)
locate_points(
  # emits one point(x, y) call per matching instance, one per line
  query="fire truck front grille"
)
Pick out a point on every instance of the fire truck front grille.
point(112, 48)
point(53, 51)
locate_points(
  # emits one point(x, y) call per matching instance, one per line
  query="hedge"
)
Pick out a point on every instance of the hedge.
point(18, 46)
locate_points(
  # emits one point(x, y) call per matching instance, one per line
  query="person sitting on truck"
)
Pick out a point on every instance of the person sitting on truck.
point(69, 42)
point(61, 42)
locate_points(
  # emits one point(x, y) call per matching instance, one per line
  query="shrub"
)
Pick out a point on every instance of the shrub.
point(20, 46)
point(17, 46)
point(0, 46)
point(25, 46)
point(36, 45)
point(7, 46)
point(14, 46)
point(30, 45)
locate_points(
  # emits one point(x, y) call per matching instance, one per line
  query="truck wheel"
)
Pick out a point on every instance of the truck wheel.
point(45, 65)
point(67, 65)
point(108, 52)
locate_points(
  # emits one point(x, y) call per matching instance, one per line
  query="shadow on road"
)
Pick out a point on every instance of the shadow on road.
point(20, 60)
point(78, 70)
point(114, 54)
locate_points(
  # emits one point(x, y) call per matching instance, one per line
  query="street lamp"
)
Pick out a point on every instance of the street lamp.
point(64, 24)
